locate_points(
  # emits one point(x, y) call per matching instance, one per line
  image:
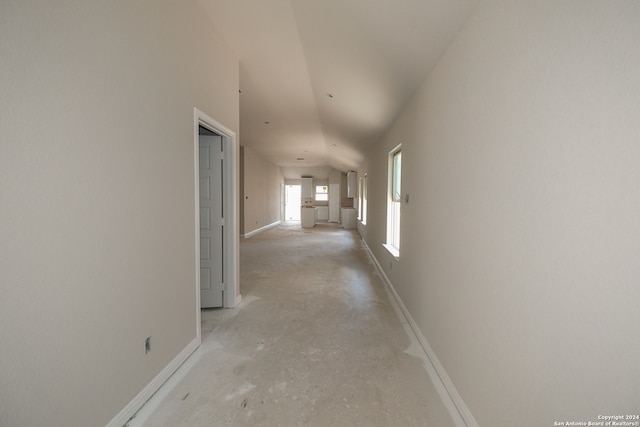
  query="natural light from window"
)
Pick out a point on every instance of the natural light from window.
point(393, 202)
point(322, 193)
point(362, 201)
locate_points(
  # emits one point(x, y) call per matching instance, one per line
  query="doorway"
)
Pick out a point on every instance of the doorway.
point(217, 253)
point(293, 201)
point(211, 167)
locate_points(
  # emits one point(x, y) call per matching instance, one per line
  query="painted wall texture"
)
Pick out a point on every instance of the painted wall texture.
point(262, 183)
point(97, 214)
point(521, 240)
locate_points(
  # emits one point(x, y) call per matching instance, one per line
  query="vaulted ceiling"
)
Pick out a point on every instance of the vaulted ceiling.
point(322, 80)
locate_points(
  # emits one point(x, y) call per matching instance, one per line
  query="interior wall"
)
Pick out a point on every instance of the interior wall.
point(97, 216)
point(296, 172)
point(262, 191)
point(519, 245)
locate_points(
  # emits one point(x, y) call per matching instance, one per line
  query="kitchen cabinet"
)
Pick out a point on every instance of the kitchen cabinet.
point(348, 217)
point(352, 185)
point(307, 187)
point(322, 213)
point(308, 217)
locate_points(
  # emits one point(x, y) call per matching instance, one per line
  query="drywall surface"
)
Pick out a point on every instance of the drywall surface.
point(97, 214)
point(261, 192)
point(519, 245)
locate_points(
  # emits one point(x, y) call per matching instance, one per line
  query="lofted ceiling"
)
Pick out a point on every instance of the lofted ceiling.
point(322, 80)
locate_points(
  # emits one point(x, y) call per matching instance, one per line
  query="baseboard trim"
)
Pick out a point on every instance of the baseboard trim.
point(138, 402)
point(451, 398)
point(260, 230)
point(237, 300)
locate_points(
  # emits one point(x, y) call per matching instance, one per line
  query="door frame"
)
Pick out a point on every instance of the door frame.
point(231, 233)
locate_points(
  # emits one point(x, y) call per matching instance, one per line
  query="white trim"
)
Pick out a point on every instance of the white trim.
point(230, 200)
point(130, 410)
point(261, 229)
point(392, 250)
point(236, 301)
point(461, 415)
point(394, 207)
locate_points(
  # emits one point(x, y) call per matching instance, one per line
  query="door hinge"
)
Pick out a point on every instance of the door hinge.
point(221, 155)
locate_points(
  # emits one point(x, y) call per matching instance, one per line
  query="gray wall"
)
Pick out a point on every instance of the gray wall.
point(97, 215)
point(262, 187)
point(520, 243)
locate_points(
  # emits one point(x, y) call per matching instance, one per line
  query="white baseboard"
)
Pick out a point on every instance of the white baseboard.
point(260, 230)
point(236, 301)
point(130, 410)
point(461, 415)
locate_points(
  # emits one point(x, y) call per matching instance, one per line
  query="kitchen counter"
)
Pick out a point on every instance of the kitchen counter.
point(349, 217)
point(308, 216)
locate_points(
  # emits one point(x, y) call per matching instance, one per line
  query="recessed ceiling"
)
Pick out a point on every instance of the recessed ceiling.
point(323, 80)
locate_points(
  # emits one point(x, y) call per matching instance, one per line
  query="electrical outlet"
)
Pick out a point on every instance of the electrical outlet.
point(147, 345)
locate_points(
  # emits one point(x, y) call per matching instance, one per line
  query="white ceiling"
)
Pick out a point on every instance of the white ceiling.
point(329, 76)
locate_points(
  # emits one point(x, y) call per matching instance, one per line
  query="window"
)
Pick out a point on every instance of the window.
point(393, 201)
point(322, 193)
point(362, 199)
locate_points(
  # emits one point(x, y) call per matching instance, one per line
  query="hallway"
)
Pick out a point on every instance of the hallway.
point(316, 341)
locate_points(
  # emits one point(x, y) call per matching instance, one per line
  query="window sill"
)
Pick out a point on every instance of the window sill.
point(392, 250)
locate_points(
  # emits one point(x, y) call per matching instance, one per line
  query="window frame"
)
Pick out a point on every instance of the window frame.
point(394, 201)
point(362, 200)
point(322, 193)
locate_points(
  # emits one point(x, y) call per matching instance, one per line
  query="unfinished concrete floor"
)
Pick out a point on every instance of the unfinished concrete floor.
point(316, 341)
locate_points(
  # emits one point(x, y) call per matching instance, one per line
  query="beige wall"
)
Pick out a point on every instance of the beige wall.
point(97, 198)
point(520, 243)
point(262, 188)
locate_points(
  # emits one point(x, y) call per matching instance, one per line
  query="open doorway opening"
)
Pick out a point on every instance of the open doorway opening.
point(217, 230)
point(293, 201)
point(212, 217)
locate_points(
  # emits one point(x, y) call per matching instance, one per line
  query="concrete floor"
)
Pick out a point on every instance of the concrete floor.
point(316, 341)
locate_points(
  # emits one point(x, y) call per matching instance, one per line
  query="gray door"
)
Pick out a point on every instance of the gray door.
point(211, 220)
